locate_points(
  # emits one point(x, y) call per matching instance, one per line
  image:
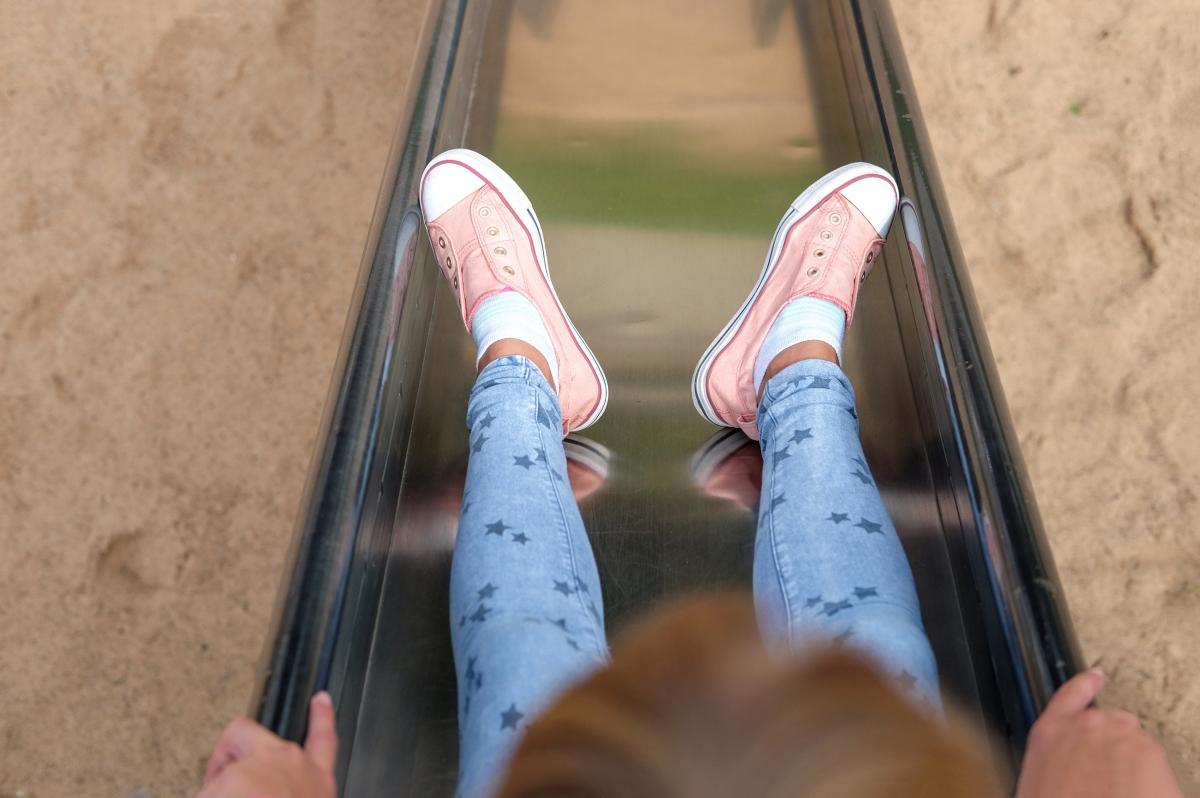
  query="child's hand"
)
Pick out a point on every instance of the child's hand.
point(1076, 750)
point(250, 761)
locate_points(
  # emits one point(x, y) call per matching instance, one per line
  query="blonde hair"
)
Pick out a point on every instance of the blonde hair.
point(693, 705)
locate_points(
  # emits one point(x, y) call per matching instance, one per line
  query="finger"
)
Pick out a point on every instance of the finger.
point(1123, 718)
point(321, 742)
point(233, 782)
point(1076, 695)
point(223, 754)
point(240, 739)
point(221, 758)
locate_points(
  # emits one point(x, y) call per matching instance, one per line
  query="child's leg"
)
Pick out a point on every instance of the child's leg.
point(828, 563)
point(526, 613)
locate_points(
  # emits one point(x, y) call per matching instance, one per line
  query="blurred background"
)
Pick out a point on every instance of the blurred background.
point(185, 189)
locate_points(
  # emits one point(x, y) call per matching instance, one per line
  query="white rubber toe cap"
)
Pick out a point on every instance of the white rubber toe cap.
point(875, 196)
point(444, 185)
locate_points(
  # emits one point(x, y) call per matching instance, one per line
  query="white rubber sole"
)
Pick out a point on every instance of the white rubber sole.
point(520, 203)
point(813, 196)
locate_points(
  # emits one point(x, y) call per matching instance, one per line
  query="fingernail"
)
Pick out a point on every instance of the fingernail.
point(1098, 671)
point(324, 698)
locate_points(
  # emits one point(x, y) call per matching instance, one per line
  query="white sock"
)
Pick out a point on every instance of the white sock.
point(510, 315)
point(803, 319)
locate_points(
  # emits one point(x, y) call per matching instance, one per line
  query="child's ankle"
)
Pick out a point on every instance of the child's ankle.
point(805, 350)
point(508, 347)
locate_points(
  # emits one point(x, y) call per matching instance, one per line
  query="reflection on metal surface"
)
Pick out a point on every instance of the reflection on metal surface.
point(1024, 612)
point(659, 142)
point(911, 223)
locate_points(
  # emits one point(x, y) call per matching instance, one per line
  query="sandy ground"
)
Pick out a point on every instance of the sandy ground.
point(187, 186)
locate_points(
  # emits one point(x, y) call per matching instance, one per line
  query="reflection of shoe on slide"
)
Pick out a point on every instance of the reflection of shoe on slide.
point(912, 229)
point(824, 248)
point(916, 247)
point(729, 466)
point(588, 465)
point(488, 242)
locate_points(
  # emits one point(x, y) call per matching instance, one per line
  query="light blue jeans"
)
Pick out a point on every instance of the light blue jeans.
point(527, 618)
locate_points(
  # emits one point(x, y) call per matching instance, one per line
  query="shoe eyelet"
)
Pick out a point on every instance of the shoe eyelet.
point(442, 242)
point(449, 263)
point(454, 282)
point(835, 218)
point(509, 270)
point(814, 271)
point(862, 276)
point(500, 251)
point(485, 211)
point(870, 256)
point(826, 235)
point(818, 253)
point(493, 231)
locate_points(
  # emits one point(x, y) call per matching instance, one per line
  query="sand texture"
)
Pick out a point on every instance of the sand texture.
point(187, 185)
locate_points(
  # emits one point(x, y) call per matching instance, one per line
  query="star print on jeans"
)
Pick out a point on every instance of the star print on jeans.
point(832, 608)
point(520, 537)
point(563, 587)
point(481, 613)
point(778, 500)
point(861, 593)
point(782, 454)
point(863, 478)
point(801, 435)
point(840, 640)
point(523, 461)
point(510, 717)
point(821, 383)
point(486, 592)
point(498, 528)
point(838, 518)
point(486, 421)
point(812, 602)
point(477, 446)
point(543, 418)
point(870, 527)
point(581, 585)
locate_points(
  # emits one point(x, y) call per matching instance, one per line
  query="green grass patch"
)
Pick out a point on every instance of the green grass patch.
point(650, 177)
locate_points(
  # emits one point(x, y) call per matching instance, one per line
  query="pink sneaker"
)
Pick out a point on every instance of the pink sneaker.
point(824, 247)
point(487, 240)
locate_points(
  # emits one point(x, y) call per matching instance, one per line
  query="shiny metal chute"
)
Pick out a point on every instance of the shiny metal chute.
point(660, 142)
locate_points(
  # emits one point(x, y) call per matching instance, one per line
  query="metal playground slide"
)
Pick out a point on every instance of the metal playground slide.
point(660, 141)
